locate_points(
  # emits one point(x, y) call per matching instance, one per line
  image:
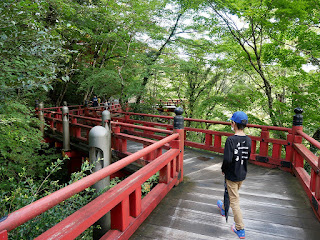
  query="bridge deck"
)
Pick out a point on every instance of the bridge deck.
point(273, 203)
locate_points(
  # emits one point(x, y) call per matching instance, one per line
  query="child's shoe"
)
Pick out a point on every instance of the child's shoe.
point(220, 206)
point(241, 233)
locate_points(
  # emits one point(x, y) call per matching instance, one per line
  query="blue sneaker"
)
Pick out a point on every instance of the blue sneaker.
point(241, 233)
point(220, 206)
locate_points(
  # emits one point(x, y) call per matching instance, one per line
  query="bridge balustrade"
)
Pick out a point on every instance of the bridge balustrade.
point(124, 202)
point(288, 154)
point(80, 122)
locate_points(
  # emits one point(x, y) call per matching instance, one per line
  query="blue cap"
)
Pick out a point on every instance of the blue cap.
point(239, 117)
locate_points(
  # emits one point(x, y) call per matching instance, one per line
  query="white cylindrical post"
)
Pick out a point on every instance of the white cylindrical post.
point(100, 154)
point(66, 128)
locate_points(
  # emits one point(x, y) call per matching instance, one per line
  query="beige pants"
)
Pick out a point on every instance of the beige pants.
point(233, 190)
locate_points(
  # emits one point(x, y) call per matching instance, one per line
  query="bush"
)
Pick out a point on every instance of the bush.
point(21, 144)
point(28, 190)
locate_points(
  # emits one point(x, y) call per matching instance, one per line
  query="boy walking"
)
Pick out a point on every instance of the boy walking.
point(236, 156)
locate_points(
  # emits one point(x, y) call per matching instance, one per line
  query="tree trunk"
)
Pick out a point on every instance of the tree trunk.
point(88, 93)
point(62, 93)
point(155, 57)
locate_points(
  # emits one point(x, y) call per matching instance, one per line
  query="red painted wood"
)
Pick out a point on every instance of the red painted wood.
point(264, 146)
point(289, 148)
point(313, 176)
point(173, 168)
point(253, 147)
point(149, 129)
point(164, 175)
point(217, 141)
point(135, 202)
point(276, 151)
point(295, 135)
point(4, 235)
point(142, 134)
point(306, 154)
point(120, 215)
point(76, 223)
point(208, 140)
point(297, 160)
point(34, 209)
point(317, 184)
point(215, 122)
point(309, 139)
point(304, 179)
point(181, 133)
point(148, 205)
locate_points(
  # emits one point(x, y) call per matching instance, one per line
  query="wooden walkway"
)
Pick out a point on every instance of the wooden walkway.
point(273, 204)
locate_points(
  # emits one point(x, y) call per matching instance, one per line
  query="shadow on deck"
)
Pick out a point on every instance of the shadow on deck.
point(273, 204)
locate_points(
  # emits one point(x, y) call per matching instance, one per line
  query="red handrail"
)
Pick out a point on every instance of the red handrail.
point(266, 151)
point(34, 209)
point(213, 139)
point(79, 221)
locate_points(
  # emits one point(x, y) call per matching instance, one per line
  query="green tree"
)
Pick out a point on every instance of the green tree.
point(28, 48)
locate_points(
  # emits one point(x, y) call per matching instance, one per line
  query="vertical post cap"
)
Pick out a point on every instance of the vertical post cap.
point(65, 110)
point(178, 120)
point(98, 137)
point(298, 110)
point(106, 115)
point(298, 118)
point(178, 111)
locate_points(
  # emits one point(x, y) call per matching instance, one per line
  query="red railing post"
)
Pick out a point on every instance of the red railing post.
point(127, 115)
point(135, 202)
point(264, 146)
point(276, 151)
point(317, 181)
point(178, 127)
point(50, 121)
point(116, 144)
point(75, 131)
point(149, 156)
point(120, 215)
point(297, 160)
point(164, 174)
point(253, 147)
point(208, 141)
point(289, 148)
point(217, 141)
point(4, 235)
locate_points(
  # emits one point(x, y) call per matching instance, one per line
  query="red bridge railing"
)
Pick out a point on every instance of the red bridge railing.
point(123, 201)
point(289, 154)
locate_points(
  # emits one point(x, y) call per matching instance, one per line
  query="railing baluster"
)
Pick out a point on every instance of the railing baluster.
point(298, 160)
point(135, 202)
point(164, 174)
point(208, 141)
point(317, 182)
point(120, 215)
point(313, 177)
point(217, 141)
point(253, 147)
point(276, 151)
point(264, 146)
